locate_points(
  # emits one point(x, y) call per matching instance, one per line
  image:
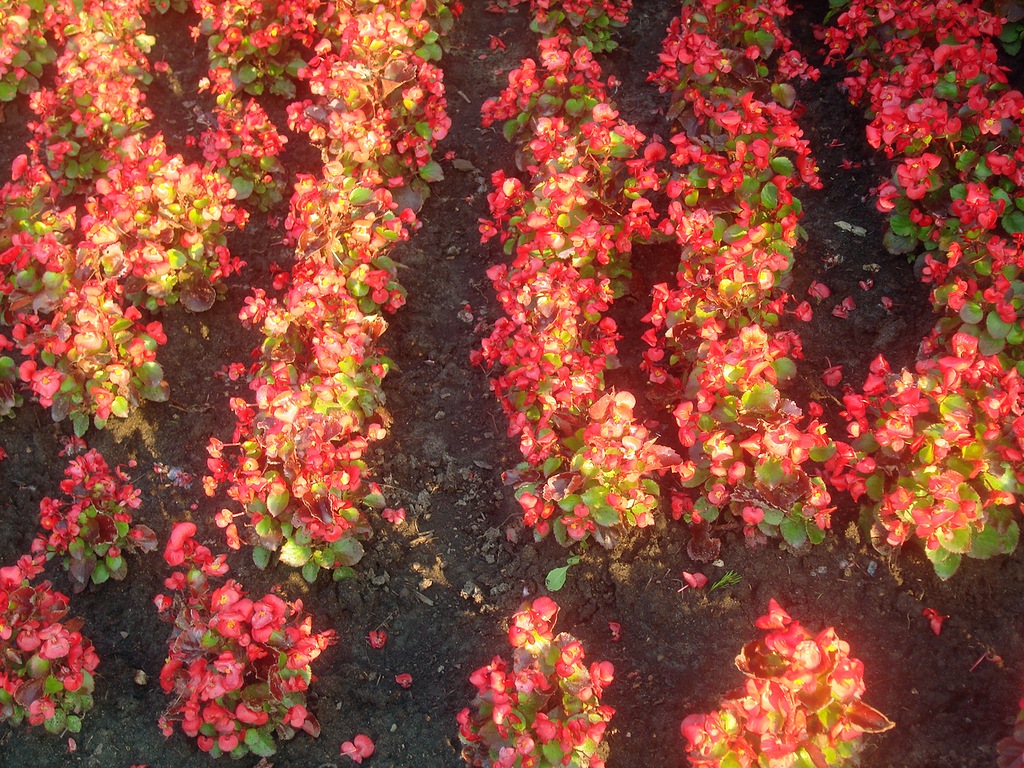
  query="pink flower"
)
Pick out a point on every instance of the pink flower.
point(695, 580)
point(377, 638)
point(394, 516)
point(359, 748)
point(404, 680)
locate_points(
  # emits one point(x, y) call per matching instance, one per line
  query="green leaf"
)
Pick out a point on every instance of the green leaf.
point(794, 532)
point(247, 73)
point(553, 752)
point(897, 245)
point(992, 542)
point(770, 472)
point(150, 373)
point(294, 555)
point(100, 574)
point(761, 397)
point(1013, 222)
point(770, 196)
point(822, 453)
point(259, 742)
point(360, 196)
point(946, 91)
point(971, 313)
point(310, 571)
point(243, 187)
point(277, 502)
point(8, 90)
point(555, 579)
point(119, 407)
point(431, 172)
point(988, 345)
point(785, 94)
point(347, 551)
point(782, 165)
point(901, 225)
point(944, 562)
point(960, 542)
point(261, 556)
point(996, 327)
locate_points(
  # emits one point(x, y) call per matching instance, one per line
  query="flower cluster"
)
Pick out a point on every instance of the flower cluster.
point(937, 453)
point(801, 703)
point(46, 665)
point(238, 669)
point(295, 463)
point(542, 709)
point(244, 147)
point(940, 462)
point(94, 529)
point(24, 48)
point(713, 348)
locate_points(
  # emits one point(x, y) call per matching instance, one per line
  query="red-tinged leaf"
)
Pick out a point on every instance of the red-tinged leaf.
point(198, 295)
point(661, 457)
point(868, 719)
point(312, 726)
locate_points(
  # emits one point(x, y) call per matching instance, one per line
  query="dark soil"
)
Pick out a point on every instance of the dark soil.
point(444, 583)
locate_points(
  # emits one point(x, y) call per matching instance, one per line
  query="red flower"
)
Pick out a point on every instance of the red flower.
point(915, 174)
point(404, 680)
point(935, 619)
point(174, 553)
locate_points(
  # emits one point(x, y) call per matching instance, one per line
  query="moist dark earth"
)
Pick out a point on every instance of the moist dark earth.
point(444, 583)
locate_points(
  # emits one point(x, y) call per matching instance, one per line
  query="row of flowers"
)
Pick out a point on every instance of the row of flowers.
point(800, 704)
point(295, 465)
point(568, 221)
point(101, 221)
point(716, 355)
point(937, 451)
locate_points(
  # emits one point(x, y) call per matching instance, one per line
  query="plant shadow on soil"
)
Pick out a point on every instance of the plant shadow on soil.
point(444, 583)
